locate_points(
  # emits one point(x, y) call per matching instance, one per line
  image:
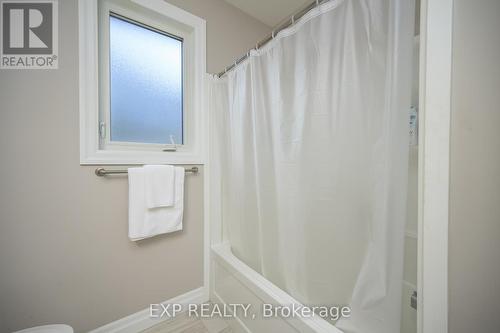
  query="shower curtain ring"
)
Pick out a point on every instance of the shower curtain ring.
point(293, 19)
point(317, 2)
point(272, 34)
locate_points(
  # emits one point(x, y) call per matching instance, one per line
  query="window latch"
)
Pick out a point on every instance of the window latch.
point(102, 130)
point(173, 146)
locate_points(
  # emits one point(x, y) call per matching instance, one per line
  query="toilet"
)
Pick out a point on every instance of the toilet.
point(59, 328)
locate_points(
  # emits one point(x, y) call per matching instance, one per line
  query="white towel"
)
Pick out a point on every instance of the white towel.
point(160, 185)
point(148, 222)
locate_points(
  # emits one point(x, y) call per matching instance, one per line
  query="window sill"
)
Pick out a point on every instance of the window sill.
point(109, 157)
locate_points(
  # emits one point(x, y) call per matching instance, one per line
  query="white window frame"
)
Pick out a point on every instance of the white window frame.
point(94, 110)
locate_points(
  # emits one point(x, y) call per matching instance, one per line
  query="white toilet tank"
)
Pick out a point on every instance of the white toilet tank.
point(48, 329)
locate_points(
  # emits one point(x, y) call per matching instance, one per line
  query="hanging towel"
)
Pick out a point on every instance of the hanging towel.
point(160, 185)
point(147, 222)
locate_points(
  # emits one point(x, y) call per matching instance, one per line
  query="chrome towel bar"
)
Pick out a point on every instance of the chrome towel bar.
point(101, 172)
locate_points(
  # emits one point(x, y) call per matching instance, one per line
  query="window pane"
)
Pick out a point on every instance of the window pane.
point(145, 84)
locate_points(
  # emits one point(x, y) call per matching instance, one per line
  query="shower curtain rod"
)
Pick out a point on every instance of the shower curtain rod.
point(289, 22)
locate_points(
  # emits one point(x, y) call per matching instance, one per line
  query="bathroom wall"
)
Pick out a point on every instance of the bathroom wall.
point(230, 32)
point(474, 228)
point(64, 252)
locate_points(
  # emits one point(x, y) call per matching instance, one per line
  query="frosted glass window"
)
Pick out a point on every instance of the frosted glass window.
point(145, 84)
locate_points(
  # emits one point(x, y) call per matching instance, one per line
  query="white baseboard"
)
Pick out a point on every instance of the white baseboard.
point(141, 320)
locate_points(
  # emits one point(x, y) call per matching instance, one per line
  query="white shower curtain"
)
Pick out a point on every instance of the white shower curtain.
point(312, 139)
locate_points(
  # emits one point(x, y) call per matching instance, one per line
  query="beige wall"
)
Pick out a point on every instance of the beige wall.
point(474, 234)
point(64, 252)
point(230, 32)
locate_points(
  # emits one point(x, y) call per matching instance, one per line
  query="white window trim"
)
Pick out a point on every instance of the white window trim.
point(90, 153)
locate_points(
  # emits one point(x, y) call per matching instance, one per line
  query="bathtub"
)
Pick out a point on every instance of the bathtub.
point(233, 282)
